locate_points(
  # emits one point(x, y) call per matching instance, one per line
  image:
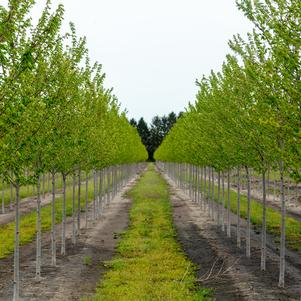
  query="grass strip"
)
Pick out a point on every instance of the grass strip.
point(293, 226)
point(150, 264)
point(28, 221)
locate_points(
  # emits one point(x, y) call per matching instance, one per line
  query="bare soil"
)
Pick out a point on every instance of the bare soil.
point(224, 267)
point(27, 205)
point(78, 273)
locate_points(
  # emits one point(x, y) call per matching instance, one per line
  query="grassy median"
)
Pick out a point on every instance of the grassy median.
point(150, 264)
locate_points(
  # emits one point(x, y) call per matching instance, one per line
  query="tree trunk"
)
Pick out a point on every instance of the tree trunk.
point(53, 234)
point(209, 191)
point(95, 195)
point(39, 234)
point(263, 235)
point(212, 198)
point(87, 199)
point(248, 232)
point(223, 202)
point(11, 197)
point(282, 237)
point(78, 203)
point(228, 206)
point(218, 196)
point(238, 237)
point(3, 197)
point(63, 246)
point(205, 189)
point(73, 210)
point(16, 282)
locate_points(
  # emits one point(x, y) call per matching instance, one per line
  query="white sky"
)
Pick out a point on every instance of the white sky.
point(153, 51)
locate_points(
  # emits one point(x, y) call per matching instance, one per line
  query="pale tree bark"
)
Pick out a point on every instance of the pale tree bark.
point(248, 232)
point(87, 199)
point(212, 196)
point(209, 191)
point(205, 189)
point(95, 195)
point(63, 246)
point(78, 203)
point(223, 202)
point(228, 206)
point(263, 234)
point(16, 282)
point(3, 197)
point(218, 196)
point(73, 210)
point(53, 234)
point(39, 232)
point(238, 235)
point(11, 197)
point(283, 226)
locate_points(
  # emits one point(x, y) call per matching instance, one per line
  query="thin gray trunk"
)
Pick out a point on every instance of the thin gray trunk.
point(11, 197)
point(218, 196)
point(95, 195)
point(238, 237)
point(73, 210)
point(209, 190)
point(63, 246)
point(39, 232)
point(43, 185)
point(282, 237)
point(78, 204)
point(205, 189)
point(228, 206)
point(53, 234)
point(263, 234)
point(212, 198)
point(223, 202)
point(87, 199)
point(3, 197)
point(16, 282)
point(248, 233)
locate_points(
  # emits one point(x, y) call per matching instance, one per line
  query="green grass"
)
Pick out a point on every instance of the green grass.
point(28, 221)
point(293, 227)
point(150, 264)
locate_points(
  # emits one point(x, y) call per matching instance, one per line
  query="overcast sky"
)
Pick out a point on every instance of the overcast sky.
point(153, 51)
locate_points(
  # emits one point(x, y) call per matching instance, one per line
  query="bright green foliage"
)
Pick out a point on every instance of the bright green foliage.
point(150, 264)
point(248, 114)
point(56, 114)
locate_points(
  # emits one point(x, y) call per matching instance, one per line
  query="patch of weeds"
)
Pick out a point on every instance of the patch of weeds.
point(87, 260)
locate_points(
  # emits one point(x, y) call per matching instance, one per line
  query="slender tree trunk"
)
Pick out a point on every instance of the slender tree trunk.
point(212, 198)
point(53, 234)
point(39, 232)
point(223, 202)
point(11, 197)
point(209, 191)
point(87, 199)
point(205, 189)
point(228, 206)
point(16, 283)
point(218, 196)
point(248, 232)
point(78, 204)
point(63, 246)
point(43, 185)
point(263, 237)
point(3, 197)
point(282, 237)
point(73, 210)
point(238, 237)
point(95, 196)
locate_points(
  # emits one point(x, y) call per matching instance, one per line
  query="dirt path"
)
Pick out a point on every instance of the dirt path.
point(72, 278)
point(26, 206)
point(241, 278)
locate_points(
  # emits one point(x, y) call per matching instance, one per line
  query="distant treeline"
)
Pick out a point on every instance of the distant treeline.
point(153, 135)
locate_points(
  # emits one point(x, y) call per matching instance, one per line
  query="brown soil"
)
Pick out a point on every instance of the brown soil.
point(232, 275)
point(27, 205)
point(74, 276)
